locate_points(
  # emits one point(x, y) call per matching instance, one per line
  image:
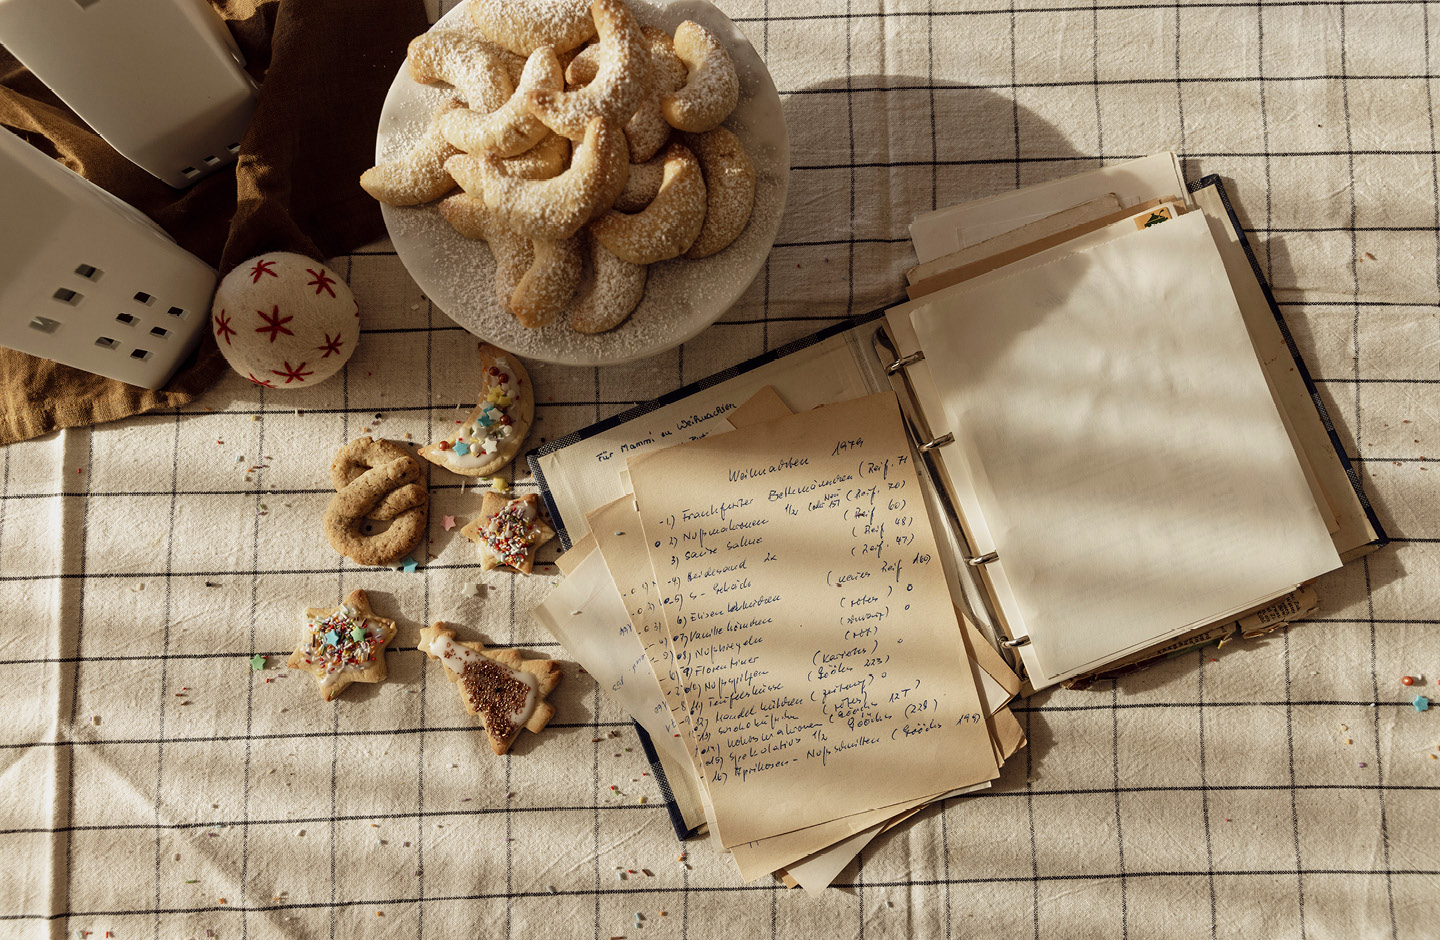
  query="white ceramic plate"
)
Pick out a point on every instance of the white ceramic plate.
point(681, 297)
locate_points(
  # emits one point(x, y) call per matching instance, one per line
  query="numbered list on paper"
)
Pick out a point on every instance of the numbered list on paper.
point(815, 642)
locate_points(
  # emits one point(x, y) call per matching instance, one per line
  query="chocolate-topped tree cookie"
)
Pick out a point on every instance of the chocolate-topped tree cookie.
point(502, 687)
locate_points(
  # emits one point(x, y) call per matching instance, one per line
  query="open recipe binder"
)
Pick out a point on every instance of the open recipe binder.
point(1124, 455)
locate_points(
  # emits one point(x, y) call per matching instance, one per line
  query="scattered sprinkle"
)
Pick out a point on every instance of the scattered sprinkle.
point(1421, 703)
point(550, 888)
point(1407, 680)
point(95, 720)
point(470, 589)
point(410, 565)
point(1361, 764)
point(257, 662)
point(447, 522)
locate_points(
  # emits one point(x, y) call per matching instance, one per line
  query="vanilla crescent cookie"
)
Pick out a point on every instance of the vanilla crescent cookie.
point(711, 89)
point(556, 208)
point(499, 686)
point(647, 131)
point(546, 160)
point(548, 284)
point(476, 68)
point(669, 225)
point(491, 434)
point(522, 26)
point(510, 129)
point(729, 189)
point(609, 292)
point(583, 66)
point(642, 185)
point(618, 85)
point(420, 175)
point(469, 216)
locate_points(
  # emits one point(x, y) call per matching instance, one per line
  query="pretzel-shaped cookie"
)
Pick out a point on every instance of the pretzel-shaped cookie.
point(377, 480)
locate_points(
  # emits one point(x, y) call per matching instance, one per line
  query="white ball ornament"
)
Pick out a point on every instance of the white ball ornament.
point(283, 320)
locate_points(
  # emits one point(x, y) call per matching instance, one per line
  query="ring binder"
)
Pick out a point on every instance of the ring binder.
point(940, 441)
point(985, 559)
point(904, 361)
point(1013, 644)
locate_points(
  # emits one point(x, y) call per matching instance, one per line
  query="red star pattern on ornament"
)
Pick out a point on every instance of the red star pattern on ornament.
point(274, 323)
point(322, 282)
point(222, 327)
point(331, 346)
point(265, 382)
point(292, 374)
point(261, 267)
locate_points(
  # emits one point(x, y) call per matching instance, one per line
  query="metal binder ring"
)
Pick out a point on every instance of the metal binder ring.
point(984, 559)
point(940, 441)
point(1012, 644)
point(903, 361)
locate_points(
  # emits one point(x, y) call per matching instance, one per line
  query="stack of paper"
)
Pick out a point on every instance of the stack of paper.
point(770, 606)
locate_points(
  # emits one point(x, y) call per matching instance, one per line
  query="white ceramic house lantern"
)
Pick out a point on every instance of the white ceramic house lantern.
point(162, 81)
point(89, 281)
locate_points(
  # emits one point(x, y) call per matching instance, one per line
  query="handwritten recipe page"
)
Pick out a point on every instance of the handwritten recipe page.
point(818, 653)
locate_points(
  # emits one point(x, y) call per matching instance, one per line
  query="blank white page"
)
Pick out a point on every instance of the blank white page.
point(1129, 461)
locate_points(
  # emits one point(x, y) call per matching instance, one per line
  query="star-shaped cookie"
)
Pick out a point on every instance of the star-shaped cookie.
point(504, 688)
point(508, 531)
point(341, 645)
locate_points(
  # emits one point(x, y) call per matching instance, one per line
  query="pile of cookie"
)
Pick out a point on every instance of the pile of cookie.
point(586, 146)
point(380, 514)
point(380, 511)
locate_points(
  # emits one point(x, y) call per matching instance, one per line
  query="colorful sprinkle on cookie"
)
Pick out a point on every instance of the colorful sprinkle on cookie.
point(344, 644)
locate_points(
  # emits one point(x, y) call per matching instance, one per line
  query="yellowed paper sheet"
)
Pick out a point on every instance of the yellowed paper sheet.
point(567, 561)
point(585, 613)
point(1158, 450)
point(764, 405)
point(1040, 228)
point(616, 528)
point(974, 269)
point(799, 713)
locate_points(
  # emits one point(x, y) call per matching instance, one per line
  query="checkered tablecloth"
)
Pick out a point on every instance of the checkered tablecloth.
point(153, 785)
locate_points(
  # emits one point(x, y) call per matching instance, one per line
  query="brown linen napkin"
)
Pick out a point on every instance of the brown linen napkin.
point(323, 67)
